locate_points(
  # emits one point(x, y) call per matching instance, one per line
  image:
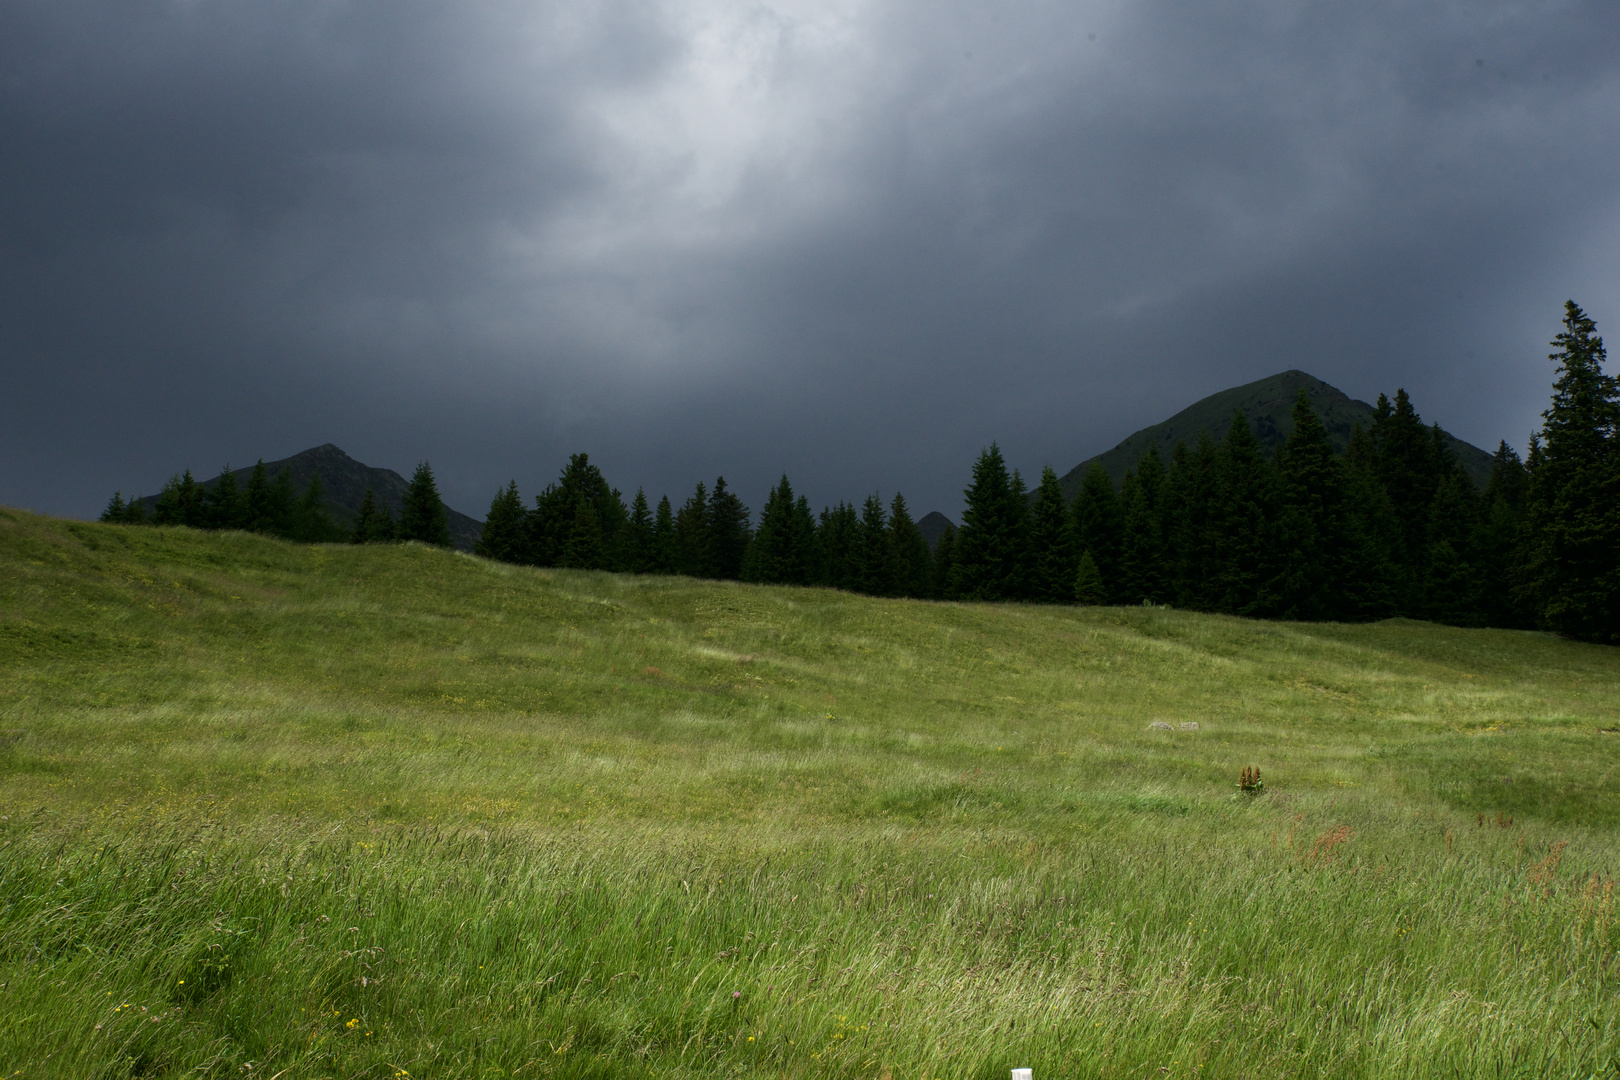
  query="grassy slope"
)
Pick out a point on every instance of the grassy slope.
point(520, 822)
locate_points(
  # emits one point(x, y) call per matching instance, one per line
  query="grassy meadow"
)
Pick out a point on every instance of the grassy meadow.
point(280, 811)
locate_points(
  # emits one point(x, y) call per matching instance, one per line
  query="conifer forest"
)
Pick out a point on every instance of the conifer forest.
point(1391, 527)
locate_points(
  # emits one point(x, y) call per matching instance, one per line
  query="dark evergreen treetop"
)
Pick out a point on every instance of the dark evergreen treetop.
point(782, 551)
point(840, 539)
point(226, 506)
point(181, 503)
point(913, 565)
point(1056, 558)
point(692, 534)
point(1098, 527)
point(641, 544)
point(423, 517)
point(666, 548)
point(505, 530)
point(874, 554)
point(1310, 529)
point(992, 544)
point(727, 533)
point(578, 521)
point(373, 524)
point(1572, 558)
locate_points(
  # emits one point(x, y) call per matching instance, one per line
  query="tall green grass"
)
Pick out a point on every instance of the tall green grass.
point(393, 811)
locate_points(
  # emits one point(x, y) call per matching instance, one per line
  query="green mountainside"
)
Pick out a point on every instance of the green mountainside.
point(1268, 404)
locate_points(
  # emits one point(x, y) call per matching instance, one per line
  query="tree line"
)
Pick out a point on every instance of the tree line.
point(273, 506)
point(1393, 526)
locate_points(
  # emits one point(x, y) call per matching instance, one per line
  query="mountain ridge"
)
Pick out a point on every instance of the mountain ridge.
point(1269, 404)
point(344, 482)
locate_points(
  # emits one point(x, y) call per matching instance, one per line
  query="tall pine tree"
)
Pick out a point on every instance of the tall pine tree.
point(782, 551)
point(505, 533)
point(1144, 556)
point(992, 546)
point(1054, 556)
point(641, 546)
point(692, 534)
point(727, 533)
point(1308, 581)
point(374, 524)
point(1241, 563)
point(875, 574)
point(423, 517)
point(666, 542)
point(1099, 528)
point(1572, 554)
point(225, 506)
point(913, 567)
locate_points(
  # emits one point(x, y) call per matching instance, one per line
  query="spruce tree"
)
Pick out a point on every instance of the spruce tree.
point(1097, 525)
point(282, 504)
point(116, 510)
point(874, 555)
point(423, 516)
point(779, 553)
point(373, 524)
point(992, 545)
point(259, 513)
point(666, 545)
point(584, 548)
point(728, 533)
point(1453, 588)
point(1054, 554)
point(1310, 535)
point(1410, 474)
point(1373, 579)
point(313, 525)
point(1572, 551)
point(1193, 512)
point(641, 546)
point(1242, 561)
point(1088, 583)
point(1144, 558)
point(505, 533)
point(839, 536)
point(913, 566)
point(692, 534)
point(181, 503)
point(554, 521)
point(225, 506)
point(1497, 542)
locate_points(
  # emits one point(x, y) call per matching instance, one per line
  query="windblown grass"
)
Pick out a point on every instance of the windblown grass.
point(327, 811)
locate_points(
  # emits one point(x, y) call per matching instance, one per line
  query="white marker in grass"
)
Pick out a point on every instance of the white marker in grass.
point(1023, 1074)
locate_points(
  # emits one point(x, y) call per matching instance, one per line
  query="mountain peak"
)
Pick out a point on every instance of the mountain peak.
point(1269, 405)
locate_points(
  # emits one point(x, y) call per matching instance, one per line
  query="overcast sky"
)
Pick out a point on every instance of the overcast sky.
point(851, 240)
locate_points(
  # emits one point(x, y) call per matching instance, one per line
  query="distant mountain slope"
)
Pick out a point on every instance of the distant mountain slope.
point(1269, 405)
point(345, 481)
point(933, 526)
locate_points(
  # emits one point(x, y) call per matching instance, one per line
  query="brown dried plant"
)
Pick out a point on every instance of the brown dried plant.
point(1323, 850)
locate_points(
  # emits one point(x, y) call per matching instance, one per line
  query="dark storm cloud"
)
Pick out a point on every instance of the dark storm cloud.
point(855, 241)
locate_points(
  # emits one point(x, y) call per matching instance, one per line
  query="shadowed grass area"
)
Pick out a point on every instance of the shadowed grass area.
point(332, 811)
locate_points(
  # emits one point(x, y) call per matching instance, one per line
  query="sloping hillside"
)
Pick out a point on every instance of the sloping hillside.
point(275, 809)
